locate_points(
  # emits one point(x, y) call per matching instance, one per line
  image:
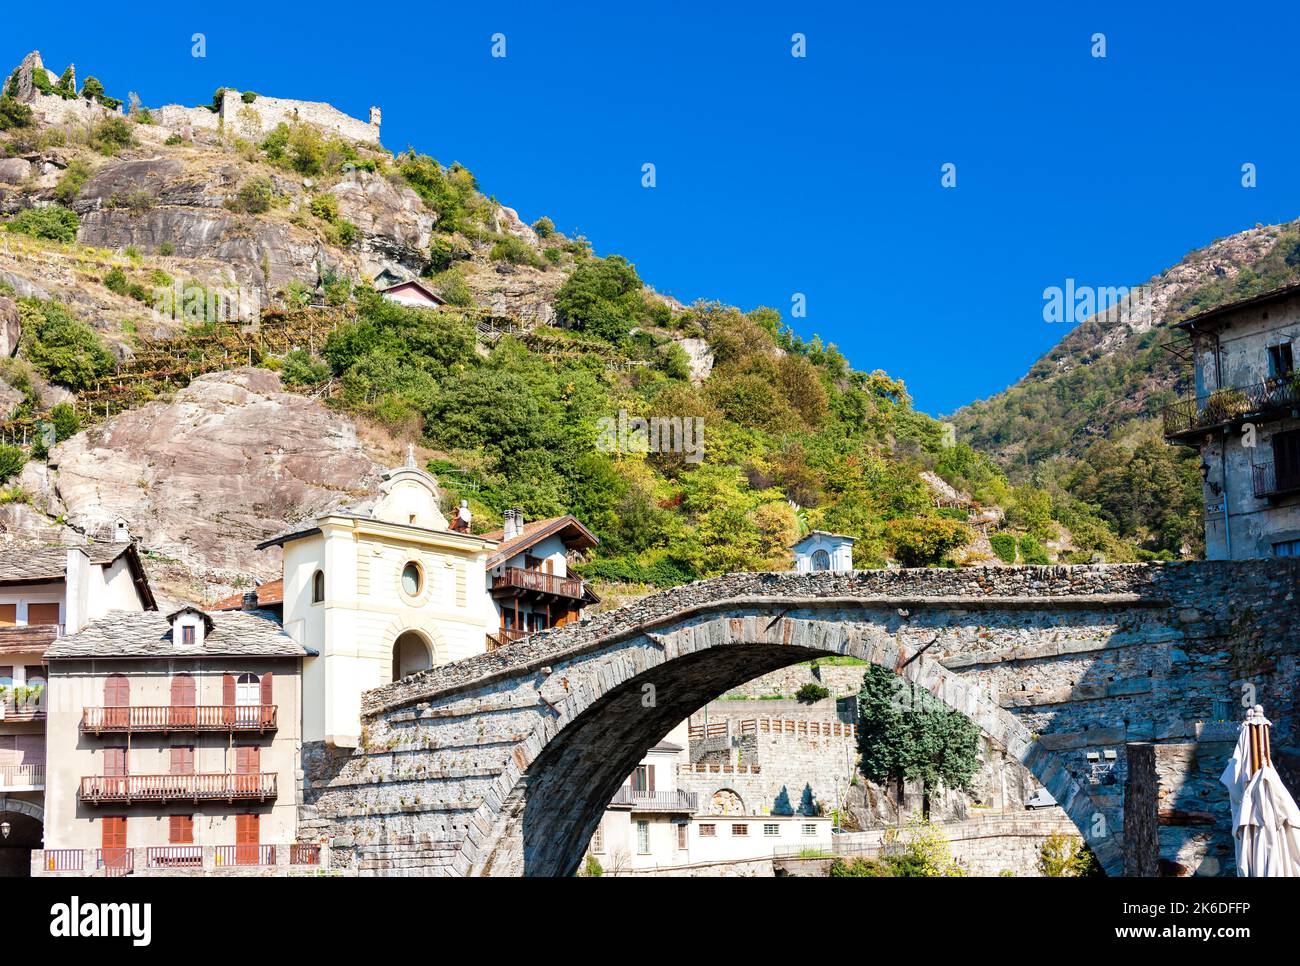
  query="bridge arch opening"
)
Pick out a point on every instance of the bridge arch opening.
point(24, 830)
point(585, 758)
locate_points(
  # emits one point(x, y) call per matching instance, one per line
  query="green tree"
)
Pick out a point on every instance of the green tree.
point(12, 459)
point(602, 297)
point(14, 114)
point(923, 541)
point(66, 422)
point(781, 805)
point(904, 734)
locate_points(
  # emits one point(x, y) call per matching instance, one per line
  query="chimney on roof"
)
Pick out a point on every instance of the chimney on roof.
point(121, 532)
point(250, 601)
point(514, 524)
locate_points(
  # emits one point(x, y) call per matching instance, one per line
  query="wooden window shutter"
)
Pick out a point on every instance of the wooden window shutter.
point(114, 761)
point(227, 689)
point(248, 760)
point(183, 760)
point(182, 691)
point(266, 689)
point(650, 778)
point(113, 834)
point(117, 691)
point(182, 830)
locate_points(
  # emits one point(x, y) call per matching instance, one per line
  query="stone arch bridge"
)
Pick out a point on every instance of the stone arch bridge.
point(502, 764)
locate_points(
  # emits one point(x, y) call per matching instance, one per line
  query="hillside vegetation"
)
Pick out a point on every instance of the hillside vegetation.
point(508, 383)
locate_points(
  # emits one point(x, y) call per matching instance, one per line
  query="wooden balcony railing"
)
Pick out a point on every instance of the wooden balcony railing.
point(14, 777)
point(63, 860)
point(300, 854)
point(1194, 414)
point(537, 581)
point(202, 717)
point(1270, 482)
point(218, 786)
point(244, 855)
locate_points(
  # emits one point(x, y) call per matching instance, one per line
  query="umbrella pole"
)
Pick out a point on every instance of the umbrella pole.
point(1254, 749)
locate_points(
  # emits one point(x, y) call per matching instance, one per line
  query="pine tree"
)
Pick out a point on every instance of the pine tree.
point(782, 804)
point(807, 804)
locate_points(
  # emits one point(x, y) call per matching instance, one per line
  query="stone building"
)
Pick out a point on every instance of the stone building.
point(172, 743)
point(44, 594)
point(1244, 419)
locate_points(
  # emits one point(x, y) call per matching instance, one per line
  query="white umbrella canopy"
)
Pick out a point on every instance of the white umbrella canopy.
point(1265, 819)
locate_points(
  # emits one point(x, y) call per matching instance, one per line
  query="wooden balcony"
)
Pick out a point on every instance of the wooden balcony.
point(28, 638)
point(535, 584)
point(144, 789)
point(166, 718)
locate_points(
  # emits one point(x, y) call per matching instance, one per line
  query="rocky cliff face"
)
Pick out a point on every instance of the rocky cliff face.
point(202, 478)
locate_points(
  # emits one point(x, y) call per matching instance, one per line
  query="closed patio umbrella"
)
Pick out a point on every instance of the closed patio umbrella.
point(1265, 820)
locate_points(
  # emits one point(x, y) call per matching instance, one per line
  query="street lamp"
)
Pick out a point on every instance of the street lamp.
point(4, 829)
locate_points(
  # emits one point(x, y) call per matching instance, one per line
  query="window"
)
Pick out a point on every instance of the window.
point(248, 690)
point(643, 837)
point(598, 840)
point(681, 836)
point(739, 830)
point(821, 560)
point(181, 831)
point(1287, 548)
point(115, 761)
point(771, 828)
point(117, 691)
point(187, 635)
point(8, 615)
point(182, 760)
point(318, 587)
point(809, 830)
point(1286, 459)
point(112, 842)
point(183, 691)
point(1280, 361)
point(412, 579)
point(43, 613)
point(708, 830)
point(643, 778)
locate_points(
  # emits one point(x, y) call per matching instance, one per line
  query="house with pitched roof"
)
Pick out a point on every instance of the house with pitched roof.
point(45, 594)
point(529, 582)
point(172, 743)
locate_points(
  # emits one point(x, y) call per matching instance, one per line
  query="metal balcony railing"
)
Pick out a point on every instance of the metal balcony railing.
point(218, 786)
point(676, 800)
point(14, 777)
point(1223, 406)
point(202, 717)
point(1270, 482)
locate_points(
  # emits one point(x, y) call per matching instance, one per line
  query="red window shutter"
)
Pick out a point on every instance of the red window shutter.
point(248, 760)
point(113, 832)
point(114, 762)
point(182, 830)
point(650, 778)
point(266, 689)
point(117, 691)
point(183, 760)
point(182, 691)
point(227, 689)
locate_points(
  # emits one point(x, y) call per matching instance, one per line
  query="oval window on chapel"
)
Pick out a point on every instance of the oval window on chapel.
point(412, 578)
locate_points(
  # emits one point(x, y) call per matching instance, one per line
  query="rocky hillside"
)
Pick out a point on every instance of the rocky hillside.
point(191, 337)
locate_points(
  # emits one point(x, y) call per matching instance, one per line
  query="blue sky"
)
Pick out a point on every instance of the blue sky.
point(779, 175)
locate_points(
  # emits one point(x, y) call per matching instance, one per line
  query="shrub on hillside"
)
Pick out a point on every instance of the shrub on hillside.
point(70, 182)
point(14, 114)
point(602, 297)
point(111, 135)
point(923, 541)
point(1004, 546)
point(254, 196)
point(12, 459)
point(51, 223)
point(514, 251)
point(1032, 552)
point(544, 227)
point(65, 349)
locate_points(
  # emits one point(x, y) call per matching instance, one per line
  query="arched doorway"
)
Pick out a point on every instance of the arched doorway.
point(411, 653)
point(25, 832)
